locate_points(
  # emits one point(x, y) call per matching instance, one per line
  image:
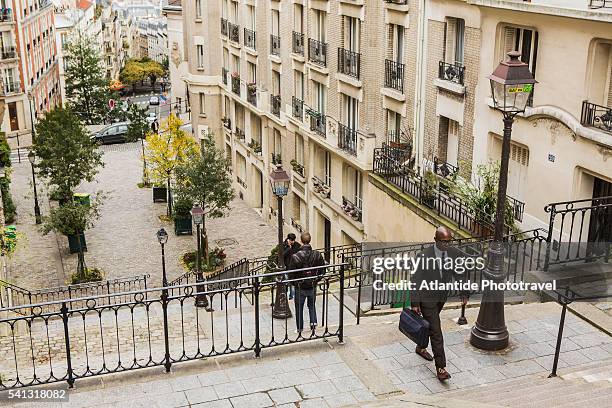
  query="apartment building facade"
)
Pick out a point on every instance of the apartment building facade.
point(178, 68)
point(30, 85)
point(324, 87)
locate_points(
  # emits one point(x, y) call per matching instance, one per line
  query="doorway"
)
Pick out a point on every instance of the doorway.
point(600, 225)
point(327, 238)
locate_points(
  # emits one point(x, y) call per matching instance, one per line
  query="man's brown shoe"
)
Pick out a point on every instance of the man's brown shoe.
point(424, 353)
point(442, 375)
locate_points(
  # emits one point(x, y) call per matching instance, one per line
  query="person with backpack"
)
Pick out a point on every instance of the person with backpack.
point(306, 285)
point(290, 247)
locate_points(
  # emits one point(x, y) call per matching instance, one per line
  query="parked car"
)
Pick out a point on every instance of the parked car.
point(115, 133)
point(151, 117)
point(154, 101)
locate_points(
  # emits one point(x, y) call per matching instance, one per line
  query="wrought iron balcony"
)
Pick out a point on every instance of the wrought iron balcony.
point(6, 15)
point(255, 145)
point(249, 38)
point(227, 123)
point(276, 158)
point(252, 94)
point(224, 72)
point(297, 108)
point(241, 182)
point(347, 139)
point(8, 53)
point(444, 169)
point(275, 44)
point(451, 72)
point(322, 187)
point(236, 83)
point(298, 43)
point(394, 75)
point(349, 62)
point(401, 2)
point(240, 134)
point(397, 139)
point(297, 167)
point(224, 30)
point(275, 103)
point(597, 4)
point(317, 52)
point(317, 122)
point(352, 209)
point(234, 32)
point(596, 116)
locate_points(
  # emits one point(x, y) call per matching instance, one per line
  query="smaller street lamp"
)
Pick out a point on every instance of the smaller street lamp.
point(32, 159)
point(279, 180)
point(162, 237)
point(197, 214)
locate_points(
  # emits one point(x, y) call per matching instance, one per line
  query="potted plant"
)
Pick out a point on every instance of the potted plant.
point(429, 183)
point(297, 167)
point(251, 88)
point(182, 217)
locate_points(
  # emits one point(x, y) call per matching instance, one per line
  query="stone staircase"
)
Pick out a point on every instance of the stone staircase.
point(588, 385)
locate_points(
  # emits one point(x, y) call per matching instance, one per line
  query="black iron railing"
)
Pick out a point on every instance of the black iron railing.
point(252, 94)
point(451, 72)
point(224, 72)
point(352, 208)
point(240, 181)
point(275, 104)
point(317, 122)
point(224, 30)
point(394, 75)
point(402, 2)
point(596, 4)
point(347, 139)
point(579, 230)
point(596, 116)
point(444, 169)
point(8, 53)
point(317, 52)
point(159, 327)
point(249, 38)
point(398, 139)
point(297, 44)
point(227, 123)
point(297, 167)
point(349, 62)
point(322, 187)
point(276, 158)
point(297, 108)
point(240, 134)
point(236, 84)
point(275, 44)
point(234, 32)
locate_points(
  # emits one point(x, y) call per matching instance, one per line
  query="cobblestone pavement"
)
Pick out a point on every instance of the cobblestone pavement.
point(123, 242)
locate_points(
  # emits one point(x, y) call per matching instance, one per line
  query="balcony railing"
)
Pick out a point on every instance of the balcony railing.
point(402, 2)
point(322, 187)
point(297, 167)
point(234, 32)
point(317, 122)
point(255, 145)
point(276, 158)
point(275, 103)
point(224, 72)
point(349, 62)
point(451, 72)
point(8, 53)
point(347, 139)
point(11, 87)
point(444, 169)
point(596, 4)
point(236, 84)
point(352, 209)
point(298, 43)
point(317, 52)
point(275, 44)
point(227, 123)
point(249, 38)
point(297, 108)
point(394, 75)
point(224, 26)
point(241, 182)
point(240, 134)
point(6, 15)
point(596, 116)
point(252, 94)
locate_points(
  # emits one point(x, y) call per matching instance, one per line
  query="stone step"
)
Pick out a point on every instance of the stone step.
point(551, 391)
point(538, 386)
point(474, 393)
point(598, 400)
point(585, 369)
point(602, 375)
point(575, 398)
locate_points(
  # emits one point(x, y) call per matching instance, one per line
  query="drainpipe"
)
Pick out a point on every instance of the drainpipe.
point(421, 75)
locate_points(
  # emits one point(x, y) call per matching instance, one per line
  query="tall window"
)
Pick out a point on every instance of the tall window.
point(351, 33)
point(236, 63)
point(198, 8)
point(454, 40)
point(299, 148)
point(350, 112)
point(320, 96)
point(200, 56)
point(298, 84)
point(202, 103)
point(524, 41)
point(394, 125)
point(327, 168)
point(255, 128)
point(276, 83)
point(396, 43)
point(319, 25)
point(251, 17)
point(224, 12)
point(277, 141)
point(275, 23)
point(252, 73)
point(234, 12)
point(353, 185)
point(298, 18)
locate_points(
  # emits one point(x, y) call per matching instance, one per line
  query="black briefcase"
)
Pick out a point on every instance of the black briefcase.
point(413, 326)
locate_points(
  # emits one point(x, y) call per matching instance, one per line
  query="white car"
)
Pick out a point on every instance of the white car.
point(151, 117)
point(154, 101)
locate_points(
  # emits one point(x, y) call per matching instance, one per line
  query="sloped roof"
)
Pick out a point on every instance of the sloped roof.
point(84, 4)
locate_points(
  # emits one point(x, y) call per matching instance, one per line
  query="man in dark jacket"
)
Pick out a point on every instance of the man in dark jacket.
point(306, 286)
point(290, 247)
point(429, 303)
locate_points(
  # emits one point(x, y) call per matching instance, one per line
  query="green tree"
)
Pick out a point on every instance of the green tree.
point(87, 90)
point(205, 180)
point(67, 155)
point(132, 73)
point(138, 126)
point(153, 70)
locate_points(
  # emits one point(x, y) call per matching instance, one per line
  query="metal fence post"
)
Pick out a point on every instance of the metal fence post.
point(164, 301)
point(64, 311)
point(256, 304)
point(559, 337)
point(341, 317)
point(549, 238)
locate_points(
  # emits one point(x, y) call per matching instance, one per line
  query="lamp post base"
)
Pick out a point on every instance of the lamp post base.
point(489, 340)
point(281, 304)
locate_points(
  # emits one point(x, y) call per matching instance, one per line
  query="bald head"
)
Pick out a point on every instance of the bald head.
point(305, 238)
point(443, 237)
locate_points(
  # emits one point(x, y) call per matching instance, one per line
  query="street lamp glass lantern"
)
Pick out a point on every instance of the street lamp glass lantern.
point(197, 213)
point(279, 180)
point(32, 157)
point(512, 84)
point(162, 236)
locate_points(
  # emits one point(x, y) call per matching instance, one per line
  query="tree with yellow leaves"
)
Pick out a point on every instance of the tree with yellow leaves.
point(166, 150)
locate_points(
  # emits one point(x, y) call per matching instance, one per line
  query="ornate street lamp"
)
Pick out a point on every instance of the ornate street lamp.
point(162, 237)
point(279, 180)
point(32, 159)
point(511, 85)
point(30, 100)
point(197, 214)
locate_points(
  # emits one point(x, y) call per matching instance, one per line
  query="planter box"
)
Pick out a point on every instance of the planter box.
point(73, 243)
point(160, 194)
point(182, 226)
